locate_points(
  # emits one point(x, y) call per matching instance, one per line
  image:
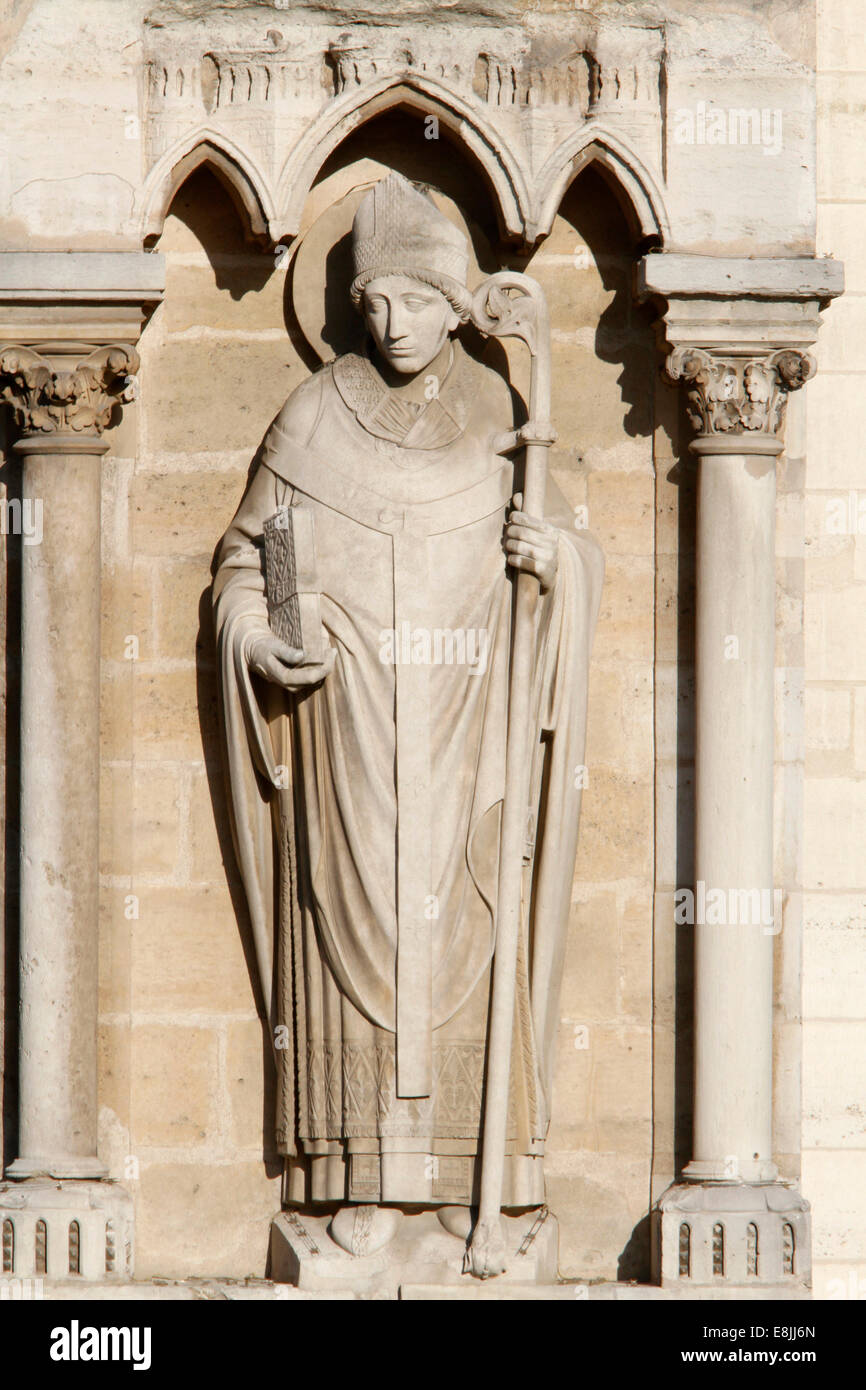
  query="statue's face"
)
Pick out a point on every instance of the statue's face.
point(409, 321)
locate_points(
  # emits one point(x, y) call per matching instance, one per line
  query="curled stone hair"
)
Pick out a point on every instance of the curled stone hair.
point(458, 297)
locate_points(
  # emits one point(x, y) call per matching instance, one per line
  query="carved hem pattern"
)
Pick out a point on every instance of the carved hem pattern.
point(352, 1093)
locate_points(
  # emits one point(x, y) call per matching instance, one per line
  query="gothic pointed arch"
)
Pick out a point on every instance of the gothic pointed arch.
point(244, 182)
point(633, 182)
point(427, 96)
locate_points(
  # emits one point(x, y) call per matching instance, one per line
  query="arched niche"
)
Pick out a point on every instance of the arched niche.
point(425, 98)
point(245, 184)
point(222, 368)
point(635, 187)
point(586, 264)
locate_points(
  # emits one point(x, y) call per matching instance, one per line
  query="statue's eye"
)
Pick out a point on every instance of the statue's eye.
point(416, 302)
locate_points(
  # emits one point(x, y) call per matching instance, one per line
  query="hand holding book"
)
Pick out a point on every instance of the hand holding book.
point(291, 583)
point(274, 659)
point(293, 652)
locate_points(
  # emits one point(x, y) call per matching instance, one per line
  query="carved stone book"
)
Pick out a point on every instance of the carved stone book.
point(294, 603)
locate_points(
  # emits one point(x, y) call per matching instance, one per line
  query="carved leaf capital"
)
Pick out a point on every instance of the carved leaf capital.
point(48, 400)
point(733, 395)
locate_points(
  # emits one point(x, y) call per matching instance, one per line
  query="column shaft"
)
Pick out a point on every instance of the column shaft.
point(60, 597)
point(735, 659)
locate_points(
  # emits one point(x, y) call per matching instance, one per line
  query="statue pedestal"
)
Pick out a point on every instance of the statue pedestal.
point(420, 1253)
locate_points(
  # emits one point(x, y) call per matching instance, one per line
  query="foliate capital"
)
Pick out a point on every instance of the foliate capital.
point(739, 395)
point(46, 400)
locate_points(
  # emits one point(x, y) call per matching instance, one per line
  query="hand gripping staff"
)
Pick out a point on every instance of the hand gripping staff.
point(510, 304)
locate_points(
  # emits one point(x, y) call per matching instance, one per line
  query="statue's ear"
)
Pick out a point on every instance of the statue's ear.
point(453, 321)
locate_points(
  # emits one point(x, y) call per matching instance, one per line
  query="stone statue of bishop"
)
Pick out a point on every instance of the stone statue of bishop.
point(366, 789)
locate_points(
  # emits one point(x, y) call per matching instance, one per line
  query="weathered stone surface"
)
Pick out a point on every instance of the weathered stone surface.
point(172, 708)
point(303, 1253)
point(186, 952)
point(89, 173)
point(181, 600)
point(249, 1073)
point(174, 1076)
point(172, 510)
point(185, 1217)
point(834, 1179)
point(612, 846)
point(833, 1067)
point(830, 843)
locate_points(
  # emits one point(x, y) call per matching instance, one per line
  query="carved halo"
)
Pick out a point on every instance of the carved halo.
point(321, 272)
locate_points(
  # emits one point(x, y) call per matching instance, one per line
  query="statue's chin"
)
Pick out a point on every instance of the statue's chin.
point(406, 366)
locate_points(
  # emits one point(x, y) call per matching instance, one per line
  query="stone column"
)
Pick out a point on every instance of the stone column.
point(732, 1220)
point(738, 330)
point(736, 406)
point(61, 414)
point(68, 323)
point(61, 410)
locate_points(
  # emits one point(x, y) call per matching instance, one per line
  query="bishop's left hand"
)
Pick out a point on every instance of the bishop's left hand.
point(531, 544)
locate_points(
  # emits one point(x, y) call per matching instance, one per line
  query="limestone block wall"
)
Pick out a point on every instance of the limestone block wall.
point(834, 981)
point(604, 373)
point(184, 1074)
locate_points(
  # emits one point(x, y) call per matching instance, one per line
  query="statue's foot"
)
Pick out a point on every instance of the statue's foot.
point(457, 1221)
point(363, 1229)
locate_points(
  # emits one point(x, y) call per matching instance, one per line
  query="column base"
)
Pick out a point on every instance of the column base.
point(732, 1233)
point(60, 1167)
point(730, 1170)
point(66, 1230)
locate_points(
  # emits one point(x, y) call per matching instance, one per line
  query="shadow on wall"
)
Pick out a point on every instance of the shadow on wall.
point(204, 207)
point(624, 333)
point(680, 595)
point(10, 713)
point(685, 475)
point(211, 737)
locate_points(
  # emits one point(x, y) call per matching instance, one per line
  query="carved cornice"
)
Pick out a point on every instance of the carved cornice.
point(596, 70)
point(268, 112)
point(738, 395)
point(47, 400)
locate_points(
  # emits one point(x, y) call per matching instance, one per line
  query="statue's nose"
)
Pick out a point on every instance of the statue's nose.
point(397, 325)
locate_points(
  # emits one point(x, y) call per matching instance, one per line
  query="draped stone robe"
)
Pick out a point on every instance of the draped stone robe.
point(366, 811)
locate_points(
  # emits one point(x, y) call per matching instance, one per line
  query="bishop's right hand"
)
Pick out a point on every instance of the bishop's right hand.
point(267, 656)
